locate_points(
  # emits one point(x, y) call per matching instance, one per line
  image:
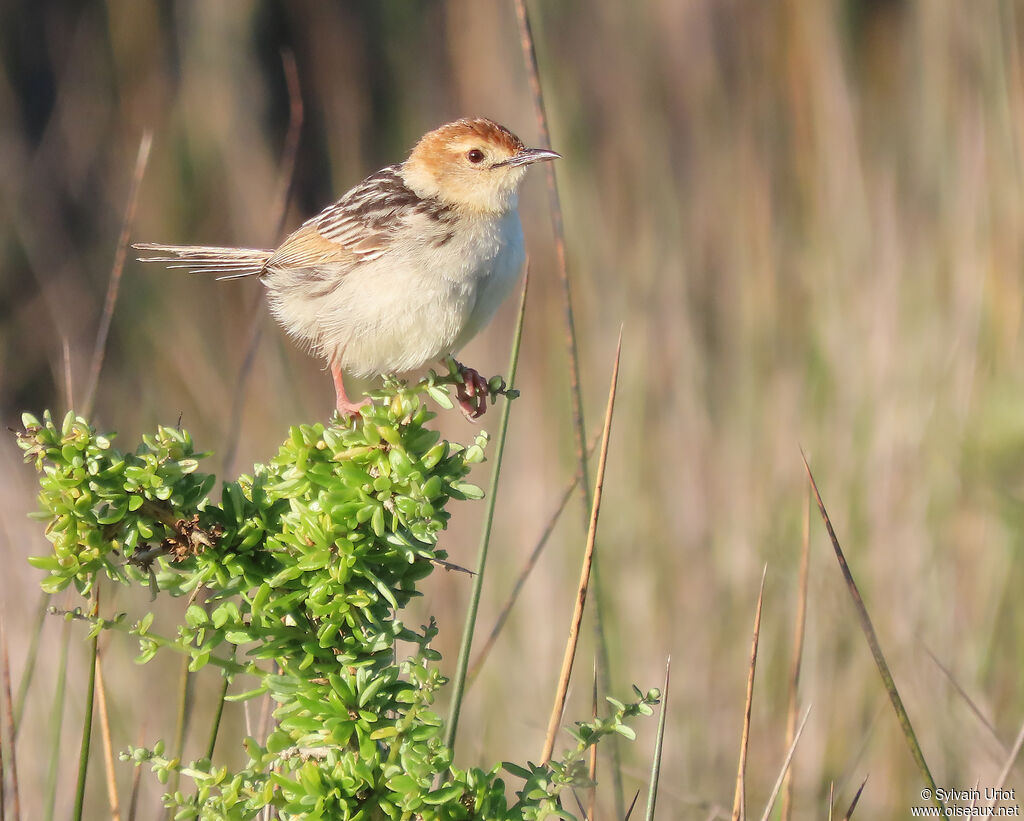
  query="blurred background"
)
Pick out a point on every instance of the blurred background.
point(807, 218)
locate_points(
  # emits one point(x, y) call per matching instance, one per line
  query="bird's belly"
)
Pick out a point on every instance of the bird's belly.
point(387, 316)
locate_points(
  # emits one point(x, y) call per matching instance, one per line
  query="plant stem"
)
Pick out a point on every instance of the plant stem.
point(90, 696)
point(485, 535)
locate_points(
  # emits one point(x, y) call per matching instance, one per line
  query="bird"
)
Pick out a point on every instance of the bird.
point(405, 268)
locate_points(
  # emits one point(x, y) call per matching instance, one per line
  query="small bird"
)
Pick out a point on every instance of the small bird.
point(405, 268)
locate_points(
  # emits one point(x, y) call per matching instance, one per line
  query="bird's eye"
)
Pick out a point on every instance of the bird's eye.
point(475, 155)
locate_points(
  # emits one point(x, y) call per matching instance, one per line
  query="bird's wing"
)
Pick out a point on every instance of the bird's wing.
point(359, 227)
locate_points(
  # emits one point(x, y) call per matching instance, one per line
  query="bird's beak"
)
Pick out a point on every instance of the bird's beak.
point(527, 156)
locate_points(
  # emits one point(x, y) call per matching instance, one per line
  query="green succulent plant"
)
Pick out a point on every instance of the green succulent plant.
point(297, 581)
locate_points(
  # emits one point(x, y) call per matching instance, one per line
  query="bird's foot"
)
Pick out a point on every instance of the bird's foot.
point(471, 392)
point(348, 409)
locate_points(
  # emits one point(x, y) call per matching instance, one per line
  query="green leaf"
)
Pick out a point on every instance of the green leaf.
point(467, 490)
point(195, 616)
point(444, 795)
point(144, 624)
point(440, 396)
point(405, 784)
point(516, 770)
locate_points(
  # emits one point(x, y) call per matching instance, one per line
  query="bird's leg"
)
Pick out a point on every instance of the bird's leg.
point(471, 392)
point(345, 406)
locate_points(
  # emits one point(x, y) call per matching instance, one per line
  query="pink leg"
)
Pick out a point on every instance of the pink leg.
point(472, 393)
point(344, 405)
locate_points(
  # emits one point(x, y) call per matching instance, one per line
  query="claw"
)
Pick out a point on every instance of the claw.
point(472, 392)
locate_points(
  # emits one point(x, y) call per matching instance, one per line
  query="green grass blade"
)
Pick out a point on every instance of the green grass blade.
point(466, 647)
point(90, 698)
point(876, 649)
point(12, 765)
point(181, 727)
point(57, 722)
point(784, 772)
point(30, 660)
point(215, 725)
point(652, 790)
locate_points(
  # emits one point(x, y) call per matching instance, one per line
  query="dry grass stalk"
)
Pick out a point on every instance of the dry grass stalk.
point(967, 699)
point(1010, 759)
point(114, 285)
point(739, 811)
point(632, 804)
point(12, 757)
point(588, 560)
point(798, 650)
point(572, 349)
point(65, 355)
point(856, 798)
point(784, 772)
point(524, 574)
point(876, 649)
point(108, 747)
point(285, 181)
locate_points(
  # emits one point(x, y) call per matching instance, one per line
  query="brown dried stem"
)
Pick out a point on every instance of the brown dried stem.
point(798, 650)
point(108, 746)
point(588, 560)
point(876, 648)
point(114, 285)
point(12, 758)
point(739, 811)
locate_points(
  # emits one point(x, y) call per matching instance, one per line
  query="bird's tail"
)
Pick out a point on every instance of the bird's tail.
point(229, 263)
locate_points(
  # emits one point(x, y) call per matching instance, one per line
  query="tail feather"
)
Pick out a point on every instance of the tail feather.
point(230, 263)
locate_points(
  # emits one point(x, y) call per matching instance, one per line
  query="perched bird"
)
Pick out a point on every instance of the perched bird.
point(405, 268)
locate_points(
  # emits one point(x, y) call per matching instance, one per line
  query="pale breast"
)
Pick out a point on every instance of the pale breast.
point(426, 296)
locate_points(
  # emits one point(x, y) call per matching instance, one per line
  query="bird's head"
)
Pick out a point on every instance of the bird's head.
point(473, 164)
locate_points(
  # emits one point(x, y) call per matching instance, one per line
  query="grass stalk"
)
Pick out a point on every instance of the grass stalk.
point(218, 713)
point(799, 625)
point(114, 285)
point(108, 746)
point(181, 726)
point(466, 647)
point(30, 659)
point(1010, 759)
point(69, 382)
point(3, 778)
point(527, 43)
point(784, 772)
point(133, 798)
point(10, 767)
point(967, 699)
point(524, 574)
point(285, 181)
point(739, 809)
point(876, 649)
point(572, 348)
point(592, 762)
point(57, 722)
point(588, 562)
point(856, 798)
point(90, 697)
point(659, 744)
point(632, 804)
